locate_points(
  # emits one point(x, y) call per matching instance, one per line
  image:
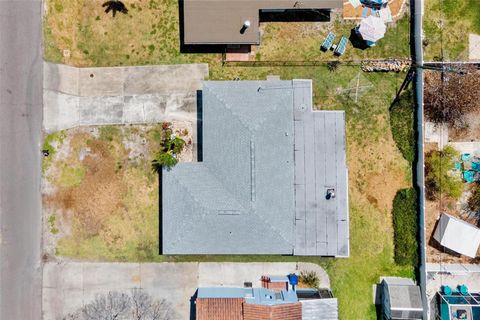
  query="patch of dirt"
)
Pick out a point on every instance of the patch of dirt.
point(470, 133)
point(435, 253)
point(115, 189)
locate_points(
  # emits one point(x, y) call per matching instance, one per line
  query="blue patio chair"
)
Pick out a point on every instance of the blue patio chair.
point(458, 166)
point(364, 12)
point(341, 47)
point(476, 166)
point(469, 176)
point(328, 42)
point(466, 156)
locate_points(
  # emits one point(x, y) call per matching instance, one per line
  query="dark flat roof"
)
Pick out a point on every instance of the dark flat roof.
point(220, 21)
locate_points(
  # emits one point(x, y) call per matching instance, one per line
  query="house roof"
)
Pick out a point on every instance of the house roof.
point(320, 309)
point(220, 21)
point(261, 296)
point(322, 225)
point(404, 298)
point(244, 197)
point(457, 235)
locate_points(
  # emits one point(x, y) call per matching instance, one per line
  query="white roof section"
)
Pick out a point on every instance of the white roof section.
point(457, 235)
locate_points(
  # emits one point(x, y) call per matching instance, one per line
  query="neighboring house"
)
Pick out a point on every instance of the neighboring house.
point(223, 303)
point(273, 178)
point(456, 305)
point(457, 235)
point(400, 299)
point(236, 21)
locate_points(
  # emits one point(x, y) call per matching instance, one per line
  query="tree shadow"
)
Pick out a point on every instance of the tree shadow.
point(115, 6)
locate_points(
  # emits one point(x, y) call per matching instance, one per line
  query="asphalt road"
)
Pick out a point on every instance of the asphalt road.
point(20, 132)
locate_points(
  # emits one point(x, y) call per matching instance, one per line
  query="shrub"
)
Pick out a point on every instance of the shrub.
point(309, 278)
point(405, 225)
point(438, 179)
point(402, 124)
point(170, 147)
point(474, 200)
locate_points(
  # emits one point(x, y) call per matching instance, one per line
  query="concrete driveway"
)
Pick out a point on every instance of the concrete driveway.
point(119, 95)
point(67, 286)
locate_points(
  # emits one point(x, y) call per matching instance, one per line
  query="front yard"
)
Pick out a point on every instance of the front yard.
point(100, 193)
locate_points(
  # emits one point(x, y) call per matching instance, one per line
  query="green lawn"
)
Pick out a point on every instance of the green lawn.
point(449, 22)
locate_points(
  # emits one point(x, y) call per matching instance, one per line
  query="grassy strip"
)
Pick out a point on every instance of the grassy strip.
point(405, 225)
point(402, 124)
point(460, 17)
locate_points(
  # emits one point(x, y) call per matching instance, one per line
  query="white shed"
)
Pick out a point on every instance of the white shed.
point(457, 235)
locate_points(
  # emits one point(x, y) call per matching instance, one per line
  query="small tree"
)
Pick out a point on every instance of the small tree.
point(113, 306)
point(171, 146)
point(450, 96)
point(139, 305)
point(438, 178)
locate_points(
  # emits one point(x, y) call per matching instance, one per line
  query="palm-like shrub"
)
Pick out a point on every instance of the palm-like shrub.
point(171, 146)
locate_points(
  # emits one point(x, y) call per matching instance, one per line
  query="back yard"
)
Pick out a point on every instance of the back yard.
point(79, 33)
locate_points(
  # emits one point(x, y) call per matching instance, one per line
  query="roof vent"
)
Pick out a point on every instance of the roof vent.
point(330, 193)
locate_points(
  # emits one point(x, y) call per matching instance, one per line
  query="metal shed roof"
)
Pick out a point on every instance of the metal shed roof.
point(220, 21)
point(245, 197)
point(457, 235)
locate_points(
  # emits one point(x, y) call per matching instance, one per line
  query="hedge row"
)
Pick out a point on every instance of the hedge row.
point(405, 224)
point(402, 124)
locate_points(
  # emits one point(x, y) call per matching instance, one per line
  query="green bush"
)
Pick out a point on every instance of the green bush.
point(402, 124)
point(170, 147)
point(405, 224)
point(309, 278)
point(474, 200)
point(438, 178)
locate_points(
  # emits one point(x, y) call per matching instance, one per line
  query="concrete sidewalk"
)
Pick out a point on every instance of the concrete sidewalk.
point(119, 95)
point(67, 286)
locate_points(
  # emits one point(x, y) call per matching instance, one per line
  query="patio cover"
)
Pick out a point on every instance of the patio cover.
point(457, 235)
point(372, 28)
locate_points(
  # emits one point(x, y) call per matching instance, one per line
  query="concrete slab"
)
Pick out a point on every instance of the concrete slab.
point(95, 82)
point(120, 95)
point(61, 78)
point(474, 47)
point(67, 286)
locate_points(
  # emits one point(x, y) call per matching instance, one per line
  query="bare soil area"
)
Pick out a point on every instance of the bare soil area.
point(100, 193)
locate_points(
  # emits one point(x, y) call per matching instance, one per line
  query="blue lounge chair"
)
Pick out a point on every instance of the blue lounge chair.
point(469, 176)
point(364, 12)
point(341, 46)
point(475, 166)
point(466, 156)
point(328, 42)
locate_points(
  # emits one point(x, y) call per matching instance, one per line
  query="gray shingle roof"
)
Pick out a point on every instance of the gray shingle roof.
point(241, 198)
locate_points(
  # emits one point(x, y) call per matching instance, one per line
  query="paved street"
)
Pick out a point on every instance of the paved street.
point(20, 127)
point(68, 286)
